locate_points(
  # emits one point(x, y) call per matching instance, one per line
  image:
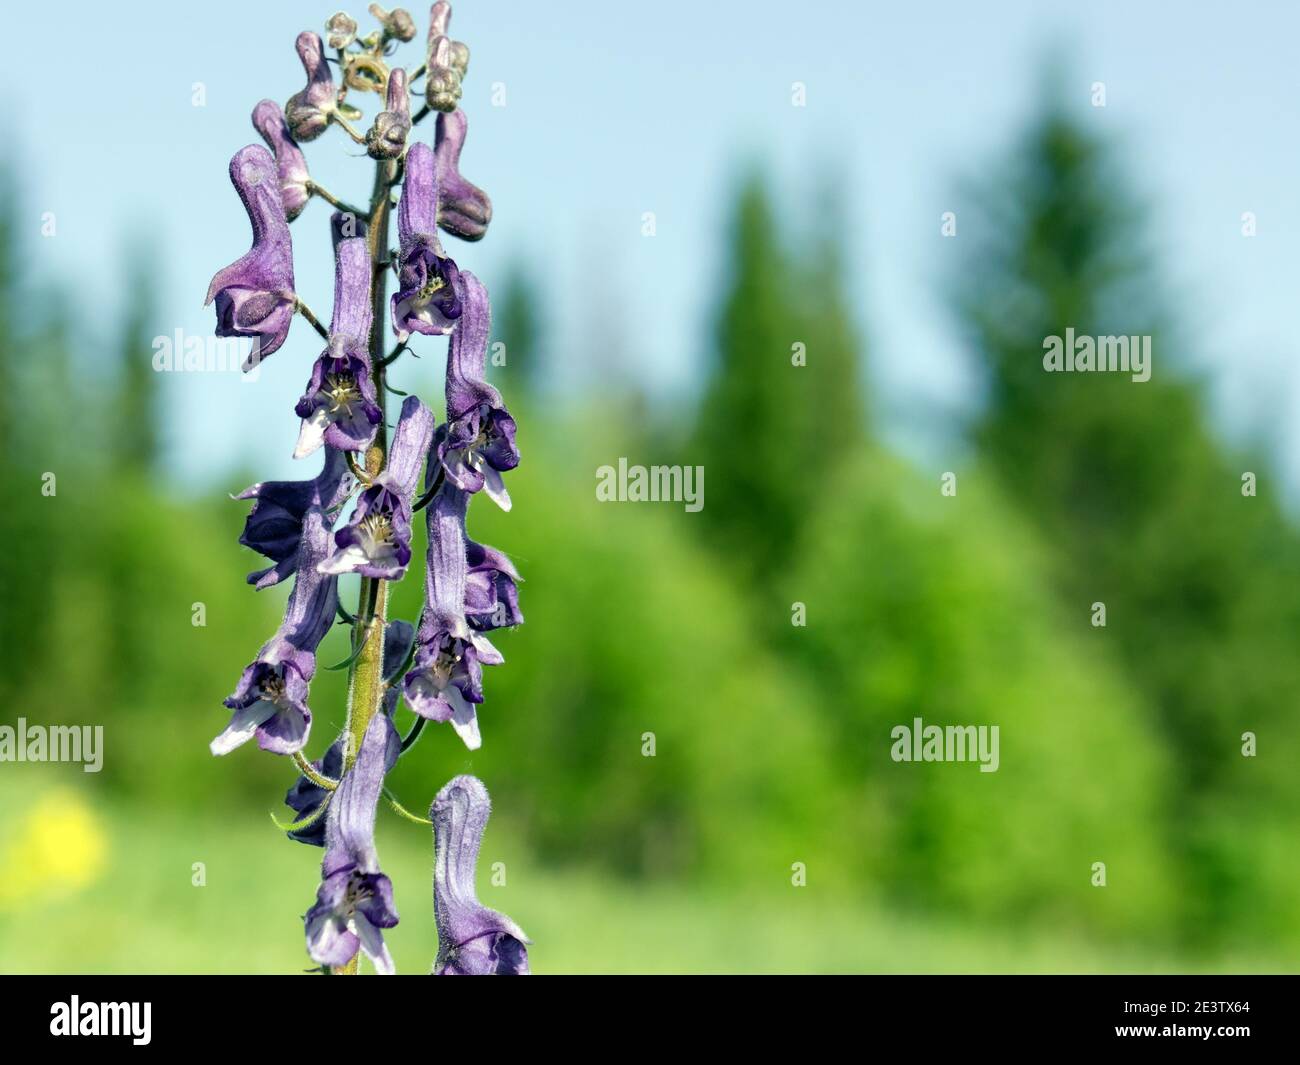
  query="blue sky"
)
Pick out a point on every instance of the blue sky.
point(613, 110)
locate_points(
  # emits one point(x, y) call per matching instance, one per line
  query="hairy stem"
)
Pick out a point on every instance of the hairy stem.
point(366, 685)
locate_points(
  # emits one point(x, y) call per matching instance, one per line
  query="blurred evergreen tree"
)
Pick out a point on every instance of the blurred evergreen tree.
point(136, 430)
point(1143, 502)
point(783, 404)
point(516, 324)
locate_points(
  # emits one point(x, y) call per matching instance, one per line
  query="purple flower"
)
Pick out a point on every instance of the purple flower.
point(427, 299)
point(269, 121)
point(255, 294)
point(472, 940)
point(377, 541)
point(477, 443)
point(274, 525)
point(447, 61)
point(270, 701)
point(339, 406)
point(386, 139)
point(308, 112)
point(355, 900)
point(491, 592)
point(446, 678)
point(464, 210)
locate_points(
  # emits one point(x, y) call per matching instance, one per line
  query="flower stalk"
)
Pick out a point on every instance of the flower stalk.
point(356, 514)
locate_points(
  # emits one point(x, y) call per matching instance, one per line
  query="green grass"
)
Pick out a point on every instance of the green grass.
point(141, 912)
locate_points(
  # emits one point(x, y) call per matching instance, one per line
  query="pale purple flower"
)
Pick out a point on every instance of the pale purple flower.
point(308, 111)
point(274, 525)
point(270, 701)
point(269, 121)
point(477, 443)
point(445, 681)
point(472, 939)
point(464, 210)
point(255, 294)
point(355, 899)
point(426, 300)
point(339, 407)
point(376, 542)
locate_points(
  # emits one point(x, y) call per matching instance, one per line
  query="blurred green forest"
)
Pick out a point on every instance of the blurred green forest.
point(827, 592)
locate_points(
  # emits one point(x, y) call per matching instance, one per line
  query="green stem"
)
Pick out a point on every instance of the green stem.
point(366, 685)
point(314, 189)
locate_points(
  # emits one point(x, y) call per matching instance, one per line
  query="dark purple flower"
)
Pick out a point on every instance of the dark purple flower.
point(386, 139)
point(446, 61)
point(477, 443)
point(270, 701)
point(339, 406)
point(274, 525)
point(472, 940)
point(255, 294)
point(464, 210)
point(269, 121)
point(426, 300)
point(491, 591)
point(446, 678)
point(308, 112)
point(376, 542)
point(355, 900)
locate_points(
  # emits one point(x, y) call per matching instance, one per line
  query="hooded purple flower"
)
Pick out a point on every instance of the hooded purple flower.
point(274, 525)
point(355, 900)
point(255, 294)
point(270, 701)
point(269, 121)
point(491, 592)
point(472, 940)
point(464, 210)
point(427, 298)
point(377, 541)
point(446, 678)
point(477, 443)
point(386, 139)
point(305, 797)
point(308, 112)
point(339, 406)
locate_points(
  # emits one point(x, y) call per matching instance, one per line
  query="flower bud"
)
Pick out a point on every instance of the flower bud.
point(442, 82)
point(386, 139)
point(342, 29)
point(398, 24)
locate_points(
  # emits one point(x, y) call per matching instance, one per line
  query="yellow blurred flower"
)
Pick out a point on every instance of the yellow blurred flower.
point(57, 846)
